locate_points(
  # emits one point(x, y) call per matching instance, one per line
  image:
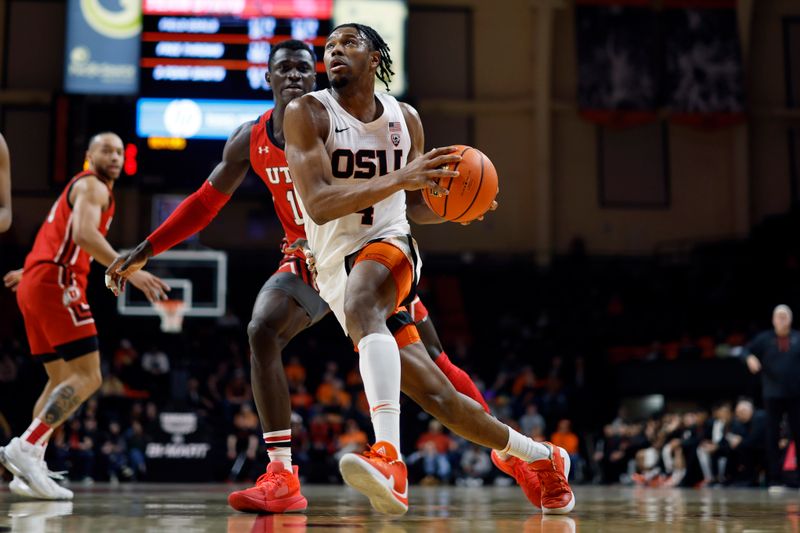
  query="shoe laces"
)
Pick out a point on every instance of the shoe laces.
point(373, 453)
point(552, 478)
point(269, 479)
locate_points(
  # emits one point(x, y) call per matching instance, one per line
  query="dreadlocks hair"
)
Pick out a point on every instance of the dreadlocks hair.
point(376, 44)
point(290, 44)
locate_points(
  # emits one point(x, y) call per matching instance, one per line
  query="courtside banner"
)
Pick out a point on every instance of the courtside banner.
point(618, 61)
point(102, 49)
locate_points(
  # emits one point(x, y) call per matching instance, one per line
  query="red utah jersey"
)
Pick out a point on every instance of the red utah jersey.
point(269, 161)
point(54, 243)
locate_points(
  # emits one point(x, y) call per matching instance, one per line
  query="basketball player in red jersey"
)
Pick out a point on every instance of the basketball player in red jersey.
point(288, 303)
point(5, 186)
point(367, 266)
point(58, 321)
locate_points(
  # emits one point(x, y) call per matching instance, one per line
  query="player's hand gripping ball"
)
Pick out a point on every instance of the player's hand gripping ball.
point(471, 193)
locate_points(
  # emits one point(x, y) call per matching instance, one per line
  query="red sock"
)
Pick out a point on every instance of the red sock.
point(460, 380)
point(36, 431)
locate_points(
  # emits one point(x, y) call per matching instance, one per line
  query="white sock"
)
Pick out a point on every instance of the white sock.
point(279, 446)
point(379, 363)
point(36, 432)
point(524, 447)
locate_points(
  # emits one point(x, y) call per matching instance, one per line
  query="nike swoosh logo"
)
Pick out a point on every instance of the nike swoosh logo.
point(403, 496)
point(337, 130)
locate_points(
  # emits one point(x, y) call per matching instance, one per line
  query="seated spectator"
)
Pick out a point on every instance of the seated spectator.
point(151, 421)
point(525, 382)
point(295, 372)
point(237, 393)
point(196, 400)
point(567, 439)
point(714, 448)
point(113, 455)
point(747, 440)
point(82, 438)
point(331, 393)
point(301, 400)
point(672, 452)
point(435, 466)
point(243, 443)
point(476, 467)
point(215, 383)
point(136, 443)
point(155, 364)
point(352, 440)
point(531, 421)
point(112, 386)
point(300, 444)
point(441, 442)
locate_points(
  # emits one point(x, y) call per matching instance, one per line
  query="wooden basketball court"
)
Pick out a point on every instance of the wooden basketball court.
point(203, 508)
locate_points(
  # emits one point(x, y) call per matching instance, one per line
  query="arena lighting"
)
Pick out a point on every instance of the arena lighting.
point(131, 163)
point(166, 143)
point(188, 118)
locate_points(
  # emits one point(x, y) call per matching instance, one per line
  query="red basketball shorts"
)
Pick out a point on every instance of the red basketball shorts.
point(58, 319)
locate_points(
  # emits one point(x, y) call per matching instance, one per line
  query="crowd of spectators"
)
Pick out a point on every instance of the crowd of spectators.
point(691, 448)
point(108, 437)
point(540, 354)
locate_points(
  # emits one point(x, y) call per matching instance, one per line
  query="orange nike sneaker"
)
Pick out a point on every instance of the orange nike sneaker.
point(557, 496)
point(379, 475)
point(524, 476)
point(276, 491)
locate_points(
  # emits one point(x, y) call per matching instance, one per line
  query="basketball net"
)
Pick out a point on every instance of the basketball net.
point(171, 313)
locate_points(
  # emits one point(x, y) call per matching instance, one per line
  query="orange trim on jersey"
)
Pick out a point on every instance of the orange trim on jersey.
point(406, 336)
point(395, 260)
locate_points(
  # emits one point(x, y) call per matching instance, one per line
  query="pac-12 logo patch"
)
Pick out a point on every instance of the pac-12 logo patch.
point(394, 132)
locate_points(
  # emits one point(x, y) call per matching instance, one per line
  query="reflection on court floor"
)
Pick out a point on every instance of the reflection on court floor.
point(203, 508)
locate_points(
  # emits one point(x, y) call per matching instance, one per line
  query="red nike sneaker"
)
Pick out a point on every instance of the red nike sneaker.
point(276, 491)
point(524, 476)
point(557, 497)
point(379, 475)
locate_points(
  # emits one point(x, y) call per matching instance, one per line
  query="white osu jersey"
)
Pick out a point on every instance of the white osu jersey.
point(360, 151)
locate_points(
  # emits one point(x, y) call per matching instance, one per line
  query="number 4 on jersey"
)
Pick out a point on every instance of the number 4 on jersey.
point(367, 216)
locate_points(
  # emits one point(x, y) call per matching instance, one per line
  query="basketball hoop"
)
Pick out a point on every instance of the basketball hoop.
point(171, 313)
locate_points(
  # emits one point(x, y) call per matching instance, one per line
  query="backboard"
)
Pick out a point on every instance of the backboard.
point(198, 277)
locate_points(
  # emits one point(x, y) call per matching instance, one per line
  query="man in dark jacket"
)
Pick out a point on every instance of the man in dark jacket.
point(776, 355)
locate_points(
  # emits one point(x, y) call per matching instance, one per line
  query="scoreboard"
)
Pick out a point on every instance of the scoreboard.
point(218, 49)
point(203, 62)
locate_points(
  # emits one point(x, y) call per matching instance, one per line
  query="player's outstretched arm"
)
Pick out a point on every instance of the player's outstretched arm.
point(305, 126)
point(5, 186)
point(193, 214)
point(90, 198)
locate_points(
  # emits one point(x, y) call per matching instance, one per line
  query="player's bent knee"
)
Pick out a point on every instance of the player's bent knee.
point(361, 314)
point(261, 332)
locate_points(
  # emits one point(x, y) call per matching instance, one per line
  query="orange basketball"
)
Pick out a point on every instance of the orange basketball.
point(471, 193)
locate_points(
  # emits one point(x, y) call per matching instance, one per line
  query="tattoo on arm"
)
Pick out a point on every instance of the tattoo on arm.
point(60, 405)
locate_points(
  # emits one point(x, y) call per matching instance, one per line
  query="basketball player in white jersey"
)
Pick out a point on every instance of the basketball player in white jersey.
point(355, 155)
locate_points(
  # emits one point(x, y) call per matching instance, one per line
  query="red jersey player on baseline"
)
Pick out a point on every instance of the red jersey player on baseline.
point(288, 303)
point(58, 320)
